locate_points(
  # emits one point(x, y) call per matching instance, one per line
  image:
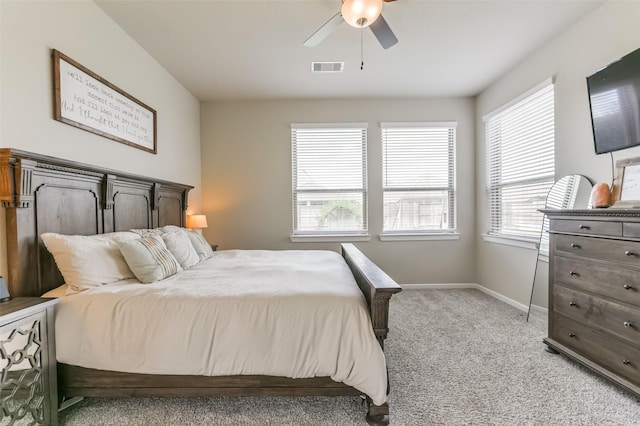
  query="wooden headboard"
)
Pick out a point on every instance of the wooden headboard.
point(46, 194)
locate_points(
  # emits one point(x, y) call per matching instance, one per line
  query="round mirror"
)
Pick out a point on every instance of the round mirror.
point(570, 192)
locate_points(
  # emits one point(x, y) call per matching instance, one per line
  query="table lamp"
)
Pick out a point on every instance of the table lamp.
point(197, 221)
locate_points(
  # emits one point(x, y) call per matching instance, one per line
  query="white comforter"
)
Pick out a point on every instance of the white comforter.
point(279, 313)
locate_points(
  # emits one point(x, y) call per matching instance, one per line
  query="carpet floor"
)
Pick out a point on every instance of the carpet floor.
point(456, 357)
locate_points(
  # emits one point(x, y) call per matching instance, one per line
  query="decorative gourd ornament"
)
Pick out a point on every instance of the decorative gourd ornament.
point(600, 196)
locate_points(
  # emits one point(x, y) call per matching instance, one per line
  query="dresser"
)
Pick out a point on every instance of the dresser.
point(28, 387)
point(594, 291)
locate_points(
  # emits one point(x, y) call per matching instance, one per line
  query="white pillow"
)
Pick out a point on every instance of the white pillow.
point(170, 228)
point(117, 236)
point(156, 231)
point(146, 232)
point(179, 244)
point(200, 244)
point(149, 258)
point(89, 261)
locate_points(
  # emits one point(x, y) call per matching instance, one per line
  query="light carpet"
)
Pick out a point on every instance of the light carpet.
point(456, 357)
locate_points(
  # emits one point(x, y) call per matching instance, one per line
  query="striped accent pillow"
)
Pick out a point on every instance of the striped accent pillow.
point(149, 259)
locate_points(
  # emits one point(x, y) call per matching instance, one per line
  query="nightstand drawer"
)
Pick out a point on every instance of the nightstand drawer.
point(613, 354)
point(624, 252)
point(591, 227)
point(620, 320)
point(617, 283)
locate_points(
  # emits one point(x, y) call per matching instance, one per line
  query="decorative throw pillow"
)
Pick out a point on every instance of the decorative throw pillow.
point(149, 258)
point(200, 244)
point(117, 236)
point(146, 232)
point(170, 228)
point(179, 244)
point(87, 261)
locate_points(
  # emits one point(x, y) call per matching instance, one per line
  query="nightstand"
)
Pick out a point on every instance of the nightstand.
point(28, 386)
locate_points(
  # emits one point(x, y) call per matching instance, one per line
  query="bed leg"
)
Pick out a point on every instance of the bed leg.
point(377, 415)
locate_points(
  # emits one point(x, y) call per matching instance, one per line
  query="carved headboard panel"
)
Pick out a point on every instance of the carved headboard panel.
point(45, 194)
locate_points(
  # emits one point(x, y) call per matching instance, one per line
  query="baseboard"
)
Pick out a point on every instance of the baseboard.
point(539, 317)
point(492, 293)
point(539, 310)
point(437, 286)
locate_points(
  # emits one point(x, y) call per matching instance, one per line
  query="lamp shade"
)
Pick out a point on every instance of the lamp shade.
point(361, 13)
point(196, 221)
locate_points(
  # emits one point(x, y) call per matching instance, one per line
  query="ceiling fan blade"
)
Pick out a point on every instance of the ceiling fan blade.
point(324, 31)
point(383, 32)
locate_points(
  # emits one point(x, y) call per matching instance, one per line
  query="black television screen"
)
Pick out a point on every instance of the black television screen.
point(614, 98)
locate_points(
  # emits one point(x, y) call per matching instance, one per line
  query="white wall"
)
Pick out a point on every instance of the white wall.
point(81, 30)
point(608, 33)
point(246, 179)
point(245, 158)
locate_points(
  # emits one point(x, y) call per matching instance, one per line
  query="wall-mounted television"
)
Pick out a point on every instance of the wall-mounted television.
point(614, 98)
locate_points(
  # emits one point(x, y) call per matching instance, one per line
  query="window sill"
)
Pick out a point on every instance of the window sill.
point(329, 238)
point(434, 236)
point(511, 241)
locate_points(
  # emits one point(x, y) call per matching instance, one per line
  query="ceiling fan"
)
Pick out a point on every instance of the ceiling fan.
point(358, 14)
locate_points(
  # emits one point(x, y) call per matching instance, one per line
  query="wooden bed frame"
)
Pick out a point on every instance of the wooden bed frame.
point(45, 194)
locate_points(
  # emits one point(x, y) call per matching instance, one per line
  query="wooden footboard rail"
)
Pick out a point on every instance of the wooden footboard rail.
point(376, 285)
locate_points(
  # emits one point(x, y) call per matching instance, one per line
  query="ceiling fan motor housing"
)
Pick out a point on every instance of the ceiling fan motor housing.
point(361, 13)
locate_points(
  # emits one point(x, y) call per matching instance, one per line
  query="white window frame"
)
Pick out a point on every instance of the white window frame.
point(448, 233)
point(328, 235)
point(495, 166)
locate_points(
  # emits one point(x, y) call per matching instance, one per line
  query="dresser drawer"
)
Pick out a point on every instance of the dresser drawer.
point(615, 318)
point(617, 283)
point(631, 230)
point(625, 252)
point(592, 227)
point(613, 354)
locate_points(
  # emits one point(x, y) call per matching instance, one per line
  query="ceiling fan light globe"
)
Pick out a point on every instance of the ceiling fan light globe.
point(361, 13)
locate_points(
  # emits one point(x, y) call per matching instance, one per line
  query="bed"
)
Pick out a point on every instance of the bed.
point(43, 195)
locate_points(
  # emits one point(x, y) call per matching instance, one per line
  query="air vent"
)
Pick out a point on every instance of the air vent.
point(327, 66)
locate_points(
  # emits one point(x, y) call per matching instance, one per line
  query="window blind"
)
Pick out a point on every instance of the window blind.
point(520, 160)
point(418, 176)
point(329, 178)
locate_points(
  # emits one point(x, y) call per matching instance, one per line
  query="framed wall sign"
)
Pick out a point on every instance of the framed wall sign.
point(85, 100)
point(626, 185)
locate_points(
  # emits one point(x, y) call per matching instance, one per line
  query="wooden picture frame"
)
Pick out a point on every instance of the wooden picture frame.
point(85, 100)
point(626, 185)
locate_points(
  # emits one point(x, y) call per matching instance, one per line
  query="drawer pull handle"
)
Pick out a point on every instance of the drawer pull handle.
point(629, 253)
point(572, 334)
point(626, 362)
point(572, 303)
point(577, 246)
point(628, 324)
point(628, 287)
point(585, 227)
point(573, 273)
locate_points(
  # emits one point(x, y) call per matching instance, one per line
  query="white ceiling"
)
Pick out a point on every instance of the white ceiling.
point(241, 49)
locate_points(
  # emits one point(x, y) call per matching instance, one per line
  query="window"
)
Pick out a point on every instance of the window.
point(520, 140)
point(329, 178)
point(418, 177)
